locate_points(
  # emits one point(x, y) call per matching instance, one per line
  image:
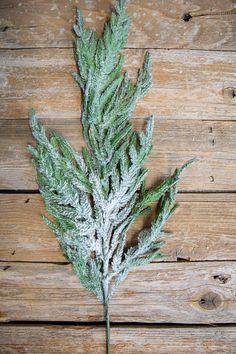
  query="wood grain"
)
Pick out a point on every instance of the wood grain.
point(204, 229)
point(193, 95)
point(201, 292)
point(187, 85)
point(174, 142)
point(155, 24)
point(137, 340)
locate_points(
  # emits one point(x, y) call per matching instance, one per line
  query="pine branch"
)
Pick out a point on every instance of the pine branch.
point(96, 196)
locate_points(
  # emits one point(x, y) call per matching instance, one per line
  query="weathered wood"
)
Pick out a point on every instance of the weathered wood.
point(173, 143)
point(137, 340)
point(196, 292)
point(186, 84)
point(193, 95)
point(211, 24)
point(204, 229)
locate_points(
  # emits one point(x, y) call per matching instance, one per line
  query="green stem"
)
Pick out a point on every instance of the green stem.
point(107, 319)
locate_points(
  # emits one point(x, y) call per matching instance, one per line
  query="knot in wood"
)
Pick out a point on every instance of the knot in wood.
point(210, 301)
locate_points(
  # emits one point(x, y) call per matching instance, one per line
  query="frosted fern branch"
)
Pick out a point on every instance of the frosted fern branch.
point(96, 195)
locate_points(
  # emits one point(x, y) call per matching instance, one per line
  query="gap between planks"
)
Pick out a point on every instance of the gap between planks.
point(129, 48)
point(180, 191)
point(115, 324)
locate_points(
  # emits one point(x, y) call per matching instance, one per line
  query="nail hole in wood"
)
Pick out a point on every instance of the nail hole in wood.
point(4, 29)
point(27, 200)
point(186, 17)
point(229, 93)
point(6, 267)
point(222, 278)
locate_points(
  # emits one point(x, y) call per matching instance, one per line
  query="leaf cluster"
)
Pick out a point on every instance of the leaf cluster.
point(96, 195)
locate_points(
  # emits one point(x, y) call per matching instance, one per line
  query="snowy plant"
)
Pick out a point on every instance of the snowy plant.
point(96, 196)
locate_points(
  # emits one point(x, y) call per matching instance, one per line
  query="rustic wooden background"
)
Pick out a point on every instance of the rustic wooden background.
point(185, 304)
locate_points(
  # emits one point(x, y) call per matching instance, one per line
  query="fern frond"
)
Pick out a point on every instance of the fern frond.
point(95, 196)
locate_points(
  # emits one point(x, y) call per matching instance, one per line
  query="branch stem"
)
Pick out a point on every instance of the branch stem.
point(107, 320)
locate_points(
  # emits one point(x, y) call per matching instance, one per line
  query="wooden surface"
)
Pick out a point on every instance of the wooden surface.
point(90, 340)
point(155, 24)
point(213, 143)
point(165, 292)
point(186, 84)
point(200, 233)
point(189, 299)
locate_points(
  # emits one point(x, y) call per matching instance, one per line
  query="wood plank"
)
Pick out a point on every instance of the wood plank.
point(154, 24)
point(204, 229)
point(137, 340)
point(196, 292)
point(186, 84)
point(174, 142)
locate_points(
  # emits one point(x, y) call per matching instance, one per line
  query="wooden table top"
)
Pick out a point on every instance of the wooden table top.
point(186, 303)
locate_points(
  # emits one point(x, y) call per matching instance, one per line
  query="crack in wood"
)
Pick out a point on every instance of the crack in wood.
point(189, 15)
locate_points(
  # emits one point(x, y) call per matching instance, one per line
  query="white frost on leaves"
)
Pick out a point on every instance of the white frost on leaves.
point(96, 196)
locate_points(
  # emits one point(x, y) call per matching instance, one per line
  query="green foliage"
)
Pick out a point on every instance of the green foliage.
point(96, 196)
